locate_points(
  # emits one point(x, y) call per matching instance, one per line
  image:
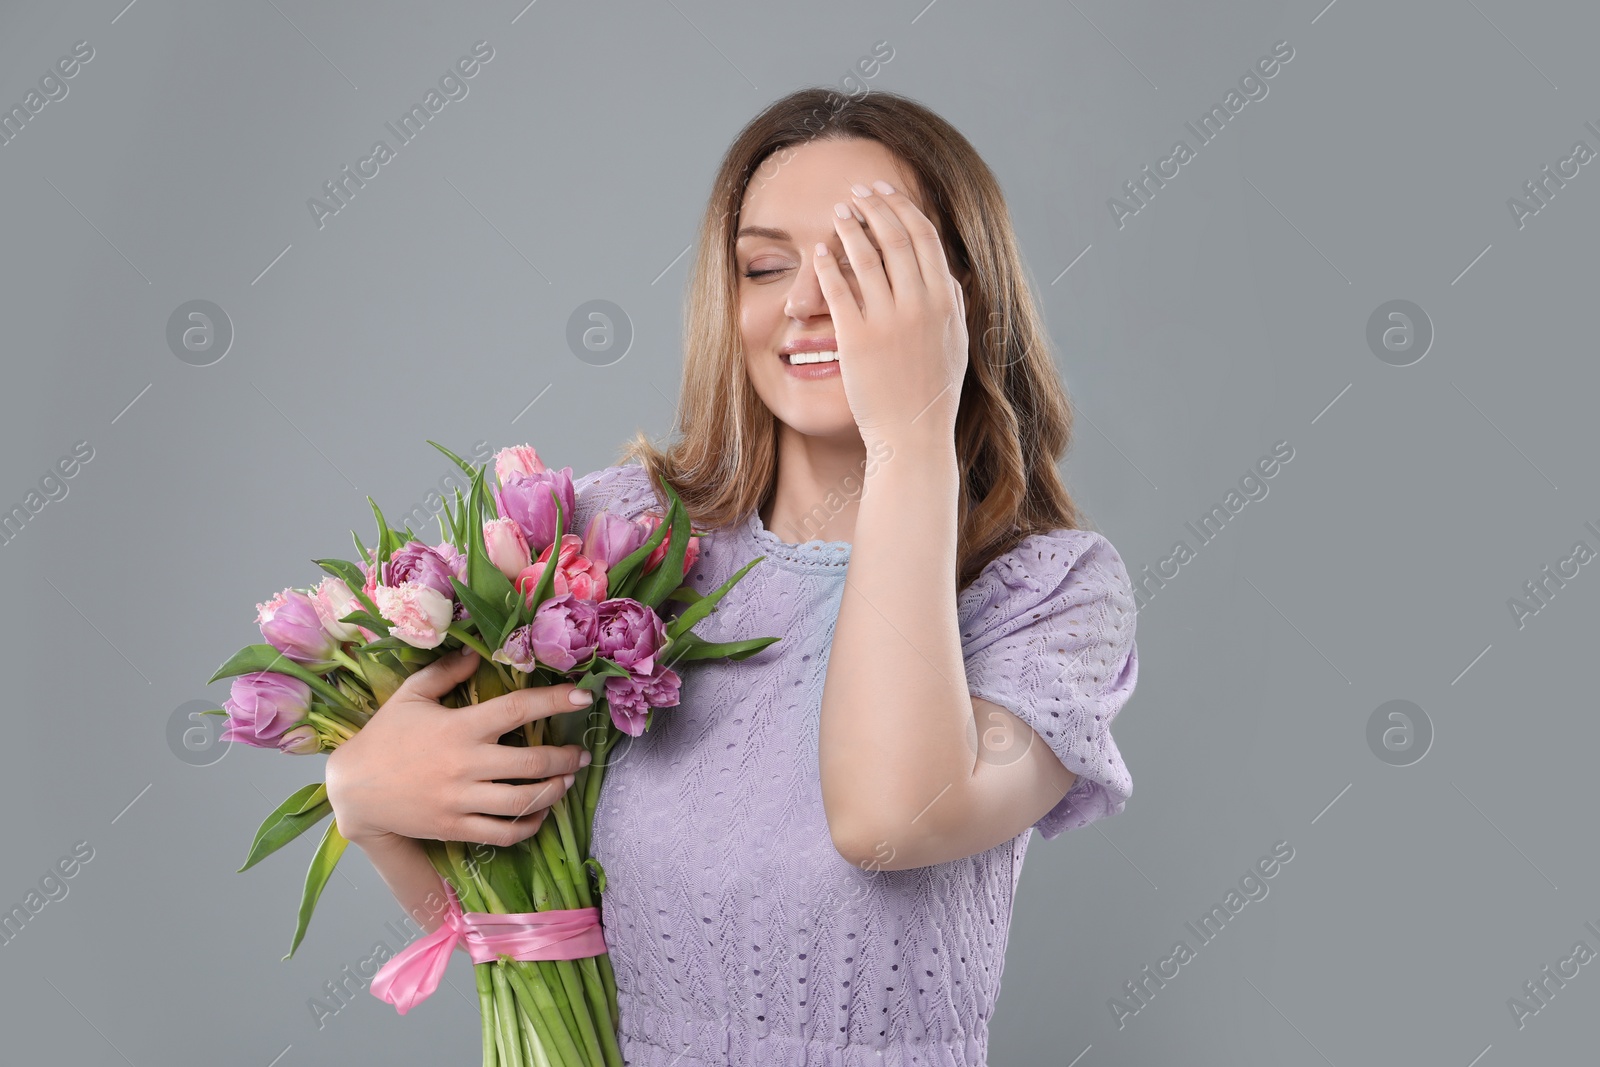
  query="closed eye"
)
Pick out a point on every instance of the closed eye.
point(843, 263)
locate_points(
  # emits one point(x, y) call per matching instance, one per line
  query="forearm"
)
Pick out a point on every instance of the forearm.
point(405, 868)
point(896, 717)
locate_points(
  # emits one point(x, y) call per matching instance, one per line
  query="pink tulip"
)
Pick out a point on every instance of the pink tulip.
point(507, 548)
point(612, 538)
point(575, 573)
point(518, 459)
point(631, 634)
point(650, 520)
point(630, 699)
point(334, 600)
point(531, 500)
point(419, 614)
point(291, 624)
point(561, 636)
point(263, 706)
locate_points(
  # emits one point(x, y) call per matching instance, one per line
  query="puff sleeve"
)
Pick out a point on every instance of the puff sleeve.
point(1048, 633)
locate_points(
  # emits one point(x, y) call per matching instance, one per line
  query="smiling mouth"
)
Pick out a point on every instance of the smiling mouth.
point(800, 359)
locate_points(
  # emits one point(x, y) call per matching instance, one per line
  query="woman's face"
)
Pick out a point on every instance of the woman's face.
point(787, 209)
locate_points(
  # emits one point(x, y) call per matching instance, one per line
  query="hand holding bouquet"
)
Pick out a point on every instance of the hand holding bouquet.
point(541, 605)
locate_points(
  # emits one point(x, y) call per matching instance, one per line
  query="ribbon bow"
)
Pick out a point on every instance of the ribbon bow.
point(411, 976)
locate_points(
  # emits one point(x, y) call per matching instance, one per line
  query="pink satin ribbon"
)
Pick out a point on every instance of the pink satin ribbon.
point(411, 975)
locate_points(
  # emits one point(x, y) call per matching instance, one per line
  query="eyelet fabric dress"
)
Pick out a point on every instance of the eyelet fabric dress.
point(738, 934)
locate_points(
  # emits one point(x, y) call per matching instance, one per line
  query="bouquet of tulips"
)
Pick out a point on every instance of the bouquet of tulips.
point(541, 605)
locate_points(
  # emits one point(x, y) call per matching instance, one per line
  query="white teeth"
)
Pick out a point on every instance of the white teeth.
point(799, 358)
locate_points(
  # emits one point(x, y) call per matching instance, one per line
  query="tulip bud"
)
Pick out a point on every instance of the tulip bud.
point(507, 547)
point(300, 741)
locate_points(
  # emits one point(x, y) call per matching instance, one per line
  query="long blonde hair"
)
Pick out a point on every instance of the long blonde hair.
point(1014, 421)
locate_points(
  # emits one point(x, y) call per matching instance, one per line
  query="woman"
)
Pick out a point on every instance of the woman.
point(812, 858)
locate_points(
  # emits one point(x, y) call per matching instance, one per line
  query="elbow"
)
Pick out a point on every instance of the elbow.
point(873, 846)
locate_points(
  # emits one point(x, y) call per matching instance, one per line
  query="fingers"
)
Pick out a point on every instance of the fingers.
point(923, 234)
point(894, 241)
point(502, 714)
point(534, 761)
point(863, 258)
point(490, 830)
point(515, 801)
point(842, 307)
point(443, 674)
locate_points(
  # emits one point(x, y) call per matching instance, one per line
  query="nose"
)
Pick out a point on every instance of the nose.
point(804, 299)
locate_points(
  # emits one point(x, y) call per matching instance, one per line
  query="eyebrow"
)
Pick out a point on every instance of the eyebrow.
point(774, 234)
point(768, 232)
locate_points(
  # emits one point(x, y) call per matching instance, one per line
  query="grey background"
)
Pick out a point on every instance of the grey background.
point(1229, 314)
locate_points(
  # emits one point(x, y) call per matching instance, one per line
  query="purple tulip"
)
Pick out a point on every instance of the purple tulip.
point(611, 538)
point(291, 624)
point(453, 558)
point(415, 563)
point(630, 634)
point(263, 706)
point(630, 699)
point(561, 636)
point(526, 498)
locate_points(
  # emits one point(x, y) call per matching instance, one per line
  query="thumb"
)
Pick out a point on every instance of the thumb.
point(444, 673)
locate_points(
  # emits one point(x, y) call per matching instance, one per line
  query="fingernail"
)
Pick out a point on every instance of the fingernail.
point(861, 190)
point(566, 780)
point(466, 650)
point(585, 758)
point(822, 249)
point(842, 211)
point(581, 697)
point(883, 187)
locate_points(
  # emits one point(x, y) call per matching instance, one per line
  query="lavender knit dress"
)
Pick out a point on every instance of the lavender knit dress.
point(739, 935)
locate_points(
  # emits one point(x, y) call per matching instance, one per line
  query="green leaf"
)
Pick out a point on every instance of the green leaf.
point(361, 550)
point(489, 619)
point(702, 607)
point(463, 464)
point(668, 575)
point(599, 873)
point(375, 623)
point(687, 594)
point(689, 647)
point(303, 810)
point(385, 536)
point(477, 552)
point(217, 711)
point(317, 875)
point(518, 611)
point(619, 579)
point(253, 658)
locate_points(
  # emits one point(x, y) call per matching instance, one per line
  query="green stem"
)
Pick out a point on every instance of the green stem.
point(491, 1047)
point(506, 1017)
point(329, 725)
point(597, 769)
point(541, 1008)
point(556, 864)
point(599, 1005)
point(609, 977)
point(536, 1050)
point(579, 873)
point(574, 995)
point(340, 655)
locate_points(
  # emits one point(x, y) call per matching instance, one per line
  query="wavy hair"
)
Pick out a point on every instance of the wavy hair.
point(1014, 421)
